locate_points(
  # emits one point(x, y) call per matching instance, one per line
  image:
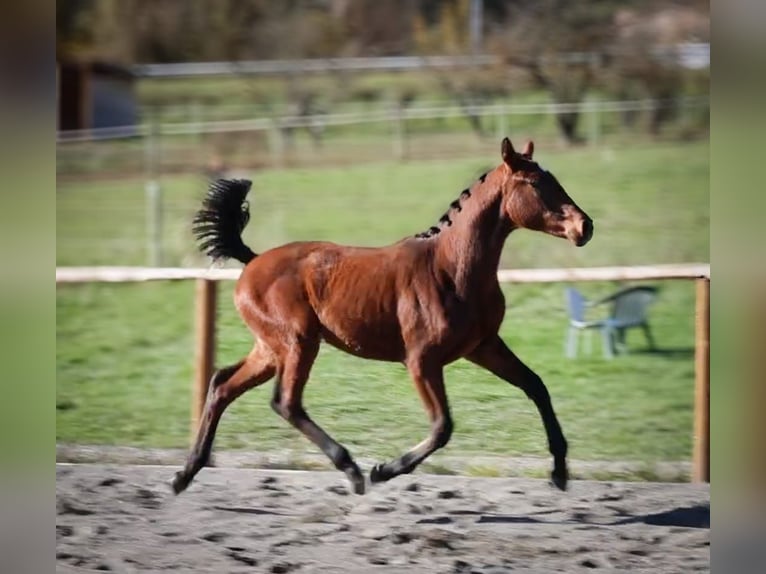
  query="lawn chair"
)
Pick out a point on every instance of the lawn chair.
point(629, 310)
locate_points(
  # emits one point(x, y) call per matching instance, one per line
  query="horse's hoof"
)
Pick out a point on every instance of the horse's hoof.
point(180, 482)
point(378, 474)
point(559, 478)
point(356, 478)
point(359, 486)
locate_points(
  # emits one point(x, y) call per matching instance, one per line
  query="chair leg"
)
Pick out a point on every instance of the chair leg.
point(620, 346)
point(589, 342)
point(649, 337)
point(607, 341)
point(571, 344)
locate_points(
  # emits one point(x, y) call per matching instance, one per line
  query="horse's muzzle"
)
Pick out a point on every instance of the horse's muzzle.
point(586, 232)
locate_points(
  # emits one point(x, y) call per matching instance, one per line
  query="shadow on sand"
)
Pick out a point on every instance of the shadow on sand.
point(688, 517)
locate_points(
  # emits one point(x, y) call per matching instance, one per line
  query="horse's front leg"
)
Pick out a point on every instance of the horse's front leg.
point(429, 381)
point(495, 356)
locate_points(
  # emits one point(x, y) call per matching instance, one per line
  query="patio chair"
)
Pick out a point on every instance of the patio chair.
point(629, 310)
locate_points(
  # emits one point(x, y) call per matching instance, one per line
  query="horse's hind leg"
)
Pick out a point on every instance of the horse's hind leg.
point(429, 381)
point(226, 385)
point(496, 357)
point(288, 403)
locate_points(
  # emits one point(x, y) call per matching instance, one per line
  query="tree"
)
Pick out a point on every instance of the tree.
point(644, 56)
point(557, 42)
point(375, 28)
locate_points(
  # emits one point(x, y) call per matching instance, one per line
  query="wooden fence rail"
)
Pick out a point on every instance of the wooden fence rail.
point(633, 273)
point(206, 304)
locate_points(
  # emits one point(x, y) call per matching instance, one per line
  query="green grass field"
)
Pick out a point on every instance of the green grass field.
point(125, 363)
point(124, 352)
point(650, 205)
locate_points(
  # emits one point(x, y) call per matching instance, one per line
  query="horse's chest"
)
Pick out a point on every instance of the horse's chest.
point(469, 321)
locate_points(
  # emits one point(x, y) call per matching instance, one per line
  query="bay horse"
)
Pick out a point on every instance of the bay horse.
point(424, 301)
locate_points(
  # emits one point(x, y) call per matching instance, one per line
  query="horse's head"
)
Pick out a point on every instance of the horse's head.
point(534, 199)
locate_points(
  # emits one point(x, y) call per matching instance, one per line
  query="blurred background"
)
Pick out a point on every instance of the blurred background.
point(358, 122)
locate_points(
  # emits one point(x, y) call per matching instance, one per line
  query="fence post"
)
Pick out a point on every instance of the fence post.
point(276, 144)
point(502, 123)
point(399, 143)
point(197, 117)
point(153, 193)
point(701, 457)
point(204, 354)
point(594, 122)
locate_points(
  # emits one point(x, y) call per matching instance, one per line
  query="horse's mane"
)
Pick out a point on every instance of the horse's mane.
point(454, 207)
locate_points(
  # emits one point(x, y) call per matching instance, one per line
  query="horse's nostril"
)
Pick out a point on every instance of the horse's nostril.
point(587, 228)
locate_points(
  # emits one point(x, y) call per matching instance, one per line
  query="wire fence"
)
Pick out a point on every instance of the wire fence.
point(155, 155)
point(388, 115)
point(384, 132)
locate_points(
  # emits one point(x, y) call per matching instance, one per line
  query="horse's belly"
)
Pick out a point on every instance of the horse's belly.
point(370, 339)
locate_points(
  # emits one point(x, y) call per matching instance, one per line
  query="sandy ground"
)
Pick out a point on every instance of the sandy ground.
point(125, 519)
point(663, 471)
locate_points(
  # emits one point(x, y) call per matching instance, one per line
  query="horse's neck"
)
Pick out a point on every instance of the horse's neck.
point(469, 250)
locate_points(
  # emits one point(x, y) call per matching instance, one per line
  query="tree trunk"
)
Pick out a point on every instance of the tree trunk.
point(567, 123)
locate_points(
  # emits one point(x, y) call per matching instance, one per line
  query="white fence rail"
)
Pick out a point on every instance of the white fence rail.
point(694, 55)
point(643, 272)
point(313, 65)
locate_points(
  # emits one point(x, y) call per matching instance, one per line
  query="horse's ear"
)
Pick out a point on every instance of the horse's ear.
point(528, 150)
point(507, 151)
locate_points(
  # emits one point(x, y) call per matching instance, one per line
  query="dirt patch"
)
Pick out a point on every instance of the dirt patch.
point(124, 518)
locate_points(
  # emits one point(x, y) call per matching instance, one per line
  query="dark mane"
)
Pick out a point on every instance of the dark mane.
point(454, 207)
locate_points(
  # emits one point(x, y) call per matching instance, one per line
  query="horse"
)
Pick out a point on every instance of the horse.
point(424, 301)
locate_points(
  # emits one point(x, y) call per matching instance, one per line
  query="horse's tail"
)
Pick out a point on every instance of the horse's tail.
point(219, 224)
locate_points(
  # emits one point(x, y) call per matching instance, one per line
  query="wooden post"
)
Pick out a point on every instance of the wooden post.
point(502, 123)
point(399, 142)
point(276, 144)
point(204, 354)
point(701, 457)
point(153, 191)
point(594, 121)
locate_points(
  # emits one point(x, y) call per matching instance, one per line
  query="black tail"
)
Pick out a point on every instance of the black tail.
point(219, 224)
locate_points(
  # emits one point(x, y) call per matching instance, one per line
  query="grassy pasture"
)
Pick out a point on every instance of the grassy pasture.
point(125, 364)
point(650, 205)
